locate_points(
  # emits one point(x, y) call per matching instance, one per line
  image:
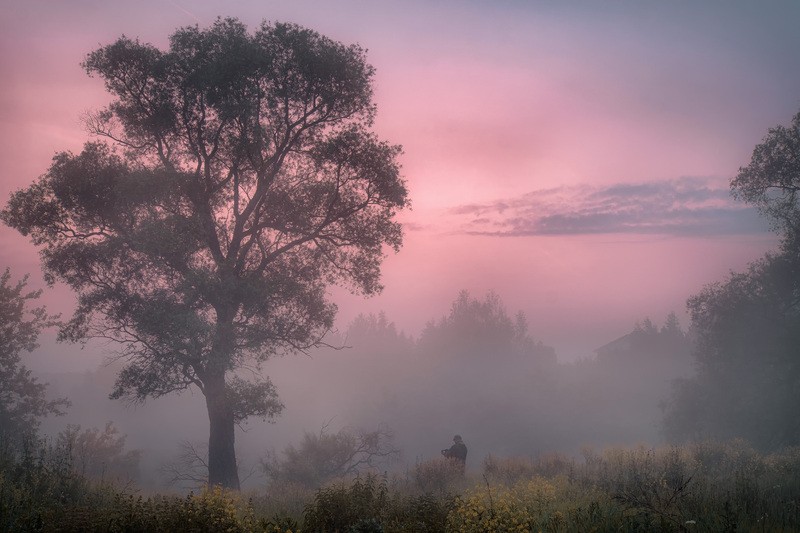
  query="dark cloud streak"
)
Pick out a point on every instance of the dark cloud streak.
point(682, 207)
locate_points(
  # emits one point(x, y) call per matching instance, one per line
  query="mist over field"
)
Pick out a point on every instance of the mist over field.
point(309, 251)
point(474, 371)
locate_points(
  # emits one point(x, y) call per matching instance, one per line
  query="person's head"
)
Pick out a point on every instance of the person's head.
point(457, 438)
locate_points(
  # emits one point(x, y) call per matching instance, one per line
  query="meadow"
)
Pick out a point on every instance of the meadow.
point(712, 487)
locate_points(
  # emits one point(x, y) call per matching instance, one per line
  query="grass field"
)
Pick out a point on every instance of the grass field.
point(704, 487)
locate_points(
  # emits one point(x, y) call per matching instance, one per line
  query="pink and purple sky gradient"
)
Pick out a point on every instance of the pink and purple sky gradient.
point(574, 157)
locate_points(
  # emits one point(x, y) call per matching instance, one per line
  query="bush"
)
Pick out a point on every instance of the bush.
point(322, 457)
point(283, 502)
point(37, 485)
point(438, 476)
point(369, 505)
point(508, 471)
point(340, 507)
point(626, 490)
point(100, 455)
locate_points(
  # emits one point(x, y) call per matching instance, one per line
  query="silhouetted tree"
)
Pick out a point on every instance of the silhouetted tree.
point(772, 179)
point(23, 399)
point(748, 327)
point(371, 332)
point(100, 455)
point(238, 179)
point(482, 329)
point(323, 456)
point(748, 371)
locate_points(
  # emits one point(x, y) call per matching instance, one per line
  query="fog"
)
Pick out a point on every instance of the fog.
point(538, 304)
point(478, 370)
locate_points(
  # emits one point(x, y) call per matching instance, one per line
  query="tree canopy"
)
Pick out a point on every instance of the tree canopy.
point(771, 181)
point(748, 330)
point(235, 177)
point(748, 326)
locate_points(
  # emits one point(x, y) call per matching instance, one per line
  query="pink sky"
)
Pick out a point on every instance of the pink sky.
point(573, 157)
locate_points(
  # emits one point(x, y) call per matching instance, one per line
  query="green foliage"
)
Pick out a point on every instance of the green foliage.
point(368, 504)
point(42, 491)
point(37, 486)
point(282, 504)
point(498, 508)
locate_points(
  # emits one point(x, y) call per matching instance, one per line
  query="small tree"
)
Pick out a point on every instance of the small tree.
point(100, 455)
point(324, 456)
point(238, 179)
point(23, 399)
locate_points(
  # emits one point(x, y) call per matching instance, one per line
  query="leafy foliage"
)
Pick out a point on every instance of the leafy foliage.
point(748, 326)
point(237, 179)
point(340, 508)
point(771, 180)
point(23, 399)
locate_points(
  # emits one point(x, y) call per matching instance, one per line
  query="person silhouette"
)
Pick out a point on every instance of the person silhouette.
point(457, 452)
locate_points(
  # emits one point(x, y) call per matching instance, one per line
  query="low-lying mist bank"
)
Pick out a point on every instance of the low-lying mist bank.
point(477, 372)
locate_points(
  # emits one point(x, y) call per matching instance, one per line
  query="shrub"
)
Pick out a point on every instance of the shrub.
point(510, 470)
point(626, 490)
point(439, 476)
point(498, 508)
point(369, 505)
point(322, 457)
point(340, 507)
point(283, 503)
point(100, 455)
point(36, 486)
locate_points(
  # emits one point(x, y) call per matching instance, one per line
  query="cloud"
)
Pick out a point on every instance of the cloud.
point(686, 207)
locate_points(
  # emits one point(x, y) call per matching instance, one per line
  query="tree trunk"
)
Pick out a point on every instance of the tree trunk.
point(222, 468)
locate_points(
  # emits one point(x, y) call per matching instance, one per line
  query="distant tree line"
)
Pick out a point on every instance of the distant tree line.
point(479, 371)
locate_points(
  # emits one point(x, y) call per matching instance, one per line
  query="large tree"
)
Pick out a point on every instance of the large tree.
point(235, 178)
point(748, 364)
point(748, 327)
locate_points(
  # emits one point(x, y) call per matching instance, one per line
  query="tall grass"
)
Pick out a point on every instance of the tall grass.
point(708, 487)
